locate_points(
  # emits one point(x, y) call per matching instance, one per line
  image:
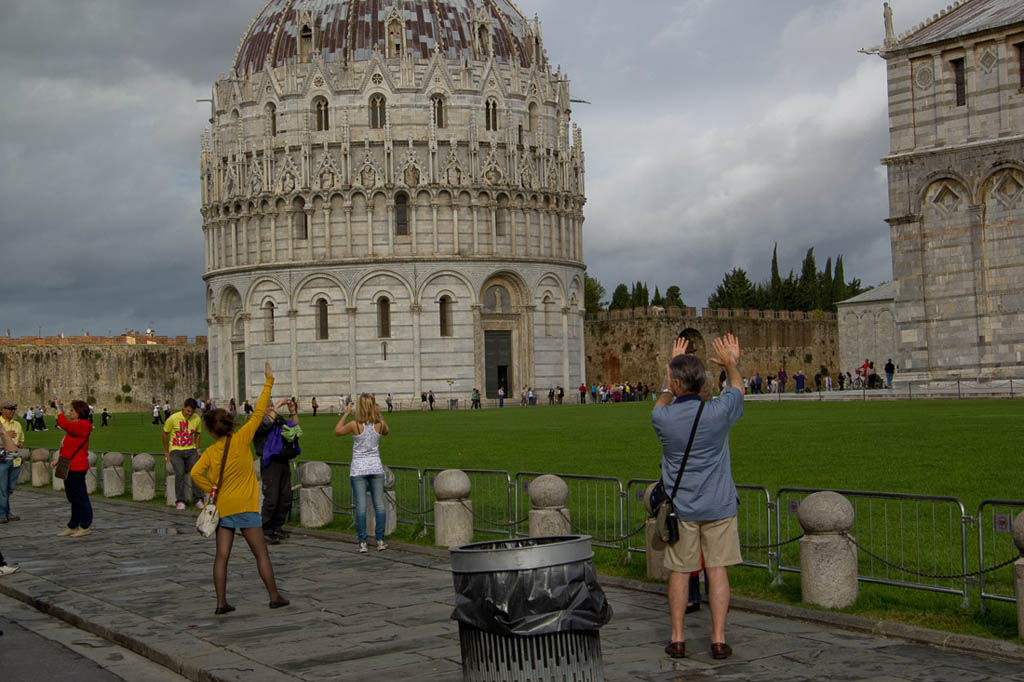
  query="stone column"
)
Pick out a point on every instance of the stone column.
point(291, 236)
point(143, 478)
point(273, 238)
point(40, 465)
point(316, 502)
point(91, 475)
point(1018, 571)
point(455, 228)
point(453, 510)
point(548, 515)
point(113, 474)
point(369, 227)
point(351, 310)
point(828, 559)
point(417, 351)
point(475, 208)
point(653, 543)
point(391, 224)
point(169, 485)
point(347, 207)
point(390, 506)
point(58, 483)
point(327, 231)
point(259, 237)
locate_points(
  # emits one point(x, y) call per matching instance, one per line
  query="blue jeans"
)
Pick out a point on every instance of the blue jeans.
point(376, 486)
point(8, 481)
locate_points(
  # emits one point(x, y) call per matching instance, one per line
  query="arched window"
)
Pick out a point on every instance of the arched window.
point(378, 111)
point(272, 119)
point(549, 315)
point(395, 39)
point(384, 317)
point(501, 217)
point(491, 114)
point(301, 219)
point(323, 114)
point(322, 333)
point(444, 310)
point(439, 117)
point(268, 322)
point(305, 44)
point(401, 214)
point(531, 121)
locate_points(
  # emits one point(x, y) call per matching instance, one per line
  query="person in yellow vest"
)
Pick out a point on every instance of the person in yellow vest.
point(237, 496)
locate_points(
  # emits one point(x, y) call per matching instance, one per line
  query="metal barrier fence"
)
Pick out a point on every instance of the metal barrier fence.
point(995, 540)
point(595, 505)
point(491, 495)
point(754, 519)
point(904, 540)
point(916, 541)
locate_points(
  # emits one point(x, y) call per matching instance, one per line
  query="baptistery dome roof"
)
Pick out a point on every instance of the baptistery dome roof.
point(349, 30)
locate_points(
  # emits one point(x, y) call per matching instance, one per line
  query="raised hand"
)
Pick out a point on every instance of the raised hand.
point(680, 345)
point(267, 372)
point(727, 351)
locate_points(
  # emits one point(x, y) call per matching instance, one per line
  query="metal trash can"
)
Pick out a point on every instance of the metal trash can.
point(453, 403)
point(529, 609)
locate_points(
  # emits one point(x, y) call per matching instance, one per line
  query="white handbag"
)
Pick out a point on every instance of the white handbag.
point(209, 517)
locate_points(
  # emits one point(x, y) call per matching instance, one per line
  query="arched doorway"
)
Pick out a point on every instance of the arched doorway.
point(502, 363)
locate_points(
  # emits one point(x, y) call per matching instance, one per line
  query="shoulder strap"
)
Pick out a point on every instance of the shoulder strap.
point(689, 444)
point(223, 461)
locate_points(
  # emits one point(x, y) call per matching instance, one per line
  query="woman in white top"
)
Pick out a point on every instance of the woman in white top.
point(366, 470)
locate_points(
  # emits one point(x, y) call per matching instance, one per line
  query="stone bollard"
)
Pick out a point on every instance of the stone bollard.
point(41, 471)
point(453, 510)
point(548, 515)
point(316, 501)
point(58, 483)
point(655, 546)
point(91, 475)
point(1018, 571)
point(113, 474)
point(143, 478)
point(828, 559)
point(170, 497)
point(25, 471)
point(390, 506)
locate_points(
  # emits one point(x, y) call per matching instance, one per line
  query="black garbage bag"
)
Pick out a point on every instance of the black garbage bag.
point(532, 601)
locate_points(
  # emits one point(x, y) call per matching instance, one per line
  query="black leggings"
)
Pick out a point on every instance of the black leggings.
point(81, 508)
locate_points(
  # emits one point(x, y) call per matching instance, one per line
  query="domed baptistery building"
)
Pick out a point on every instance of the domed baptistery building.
point(393, 203)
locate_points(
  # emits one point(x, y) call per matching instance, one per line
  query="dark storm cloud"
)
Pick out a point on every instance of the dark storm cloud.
point(716, 129)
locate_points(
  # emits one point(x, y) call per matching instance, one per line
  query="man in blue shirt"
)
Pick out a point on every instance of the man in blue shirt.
point(706, 500)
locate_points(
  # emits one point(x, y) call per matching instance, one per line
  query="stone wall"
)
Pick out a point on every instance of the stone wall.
point(634, 345)
point(32, 373)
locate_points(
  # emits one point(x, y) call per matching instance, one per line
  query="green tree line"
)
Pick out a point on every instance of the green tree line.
point(813, 289)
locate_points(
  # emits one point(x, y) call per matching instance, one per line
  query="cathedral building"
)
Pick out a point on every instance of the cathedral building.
point(392, 202)
point(956, 191)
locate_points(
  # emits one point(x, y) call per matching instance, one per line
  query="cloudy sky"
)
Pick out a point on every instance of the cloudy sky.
point(716, 128)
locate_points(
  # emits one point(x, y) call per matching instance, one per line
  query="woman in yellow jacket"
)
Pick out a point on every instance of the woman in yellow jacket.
point(237, 498)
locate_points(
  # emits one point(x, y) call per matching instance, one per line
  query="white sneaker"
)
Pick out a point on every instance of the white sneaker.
point(381, 545)
point(180, 505)
point(362, 548)
point(7, 570)
point(199, 504)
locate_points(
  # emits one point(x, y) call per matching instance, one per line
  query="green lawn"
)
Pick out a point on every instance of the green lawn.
point(967, 449)
point(962, 448)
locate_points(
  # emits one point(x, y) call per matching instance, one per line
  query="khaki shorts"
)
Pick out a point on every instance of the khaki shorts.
point(718, 540)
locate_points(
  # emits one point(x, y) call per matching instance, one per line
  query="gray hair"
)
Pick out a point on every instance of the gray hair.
point(689, 370)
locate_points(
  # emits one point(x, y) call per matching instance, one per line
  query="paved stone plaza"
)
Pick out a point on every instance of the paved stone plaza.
point(143, 580)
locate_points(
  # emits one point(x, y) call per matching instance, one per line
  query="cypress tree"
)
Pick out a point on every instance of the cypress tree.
point(775, 288)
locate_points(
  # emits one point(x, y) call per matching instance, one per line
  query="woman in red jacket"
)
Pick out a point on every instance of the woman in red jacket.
point(75, 446)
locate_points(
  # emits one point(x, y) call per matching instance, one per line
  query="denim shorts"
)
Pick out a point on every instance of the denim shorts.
point(242, 520)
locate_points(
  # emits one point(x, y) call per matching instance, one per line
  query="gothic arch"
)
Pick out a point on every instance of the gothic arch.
point(439, 274)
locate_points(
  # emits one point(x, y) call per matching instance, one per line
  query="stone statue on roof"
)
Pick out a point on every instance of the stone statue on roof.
point(890, 35)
